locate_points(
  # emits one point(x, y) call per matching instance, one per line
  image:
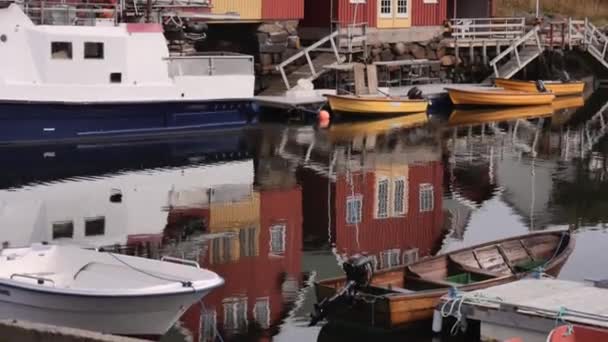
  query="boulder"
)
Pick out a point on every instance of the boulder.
point(278, 37)
point(265, 59)
point(262, 37)
point(376, 51)
point(450, 60)
point(418, 51)
point(386, 55)
point(291, 26)
point(293, 42)
point(405, 57)
point(424, 43)
point(431, 54)
point(400, 49)
point(270, 28)
point(441, 51)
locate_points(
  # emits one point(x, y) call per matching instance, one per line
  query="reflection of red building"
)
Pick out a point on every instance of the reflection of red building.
point(256, 246)
point(389, 209)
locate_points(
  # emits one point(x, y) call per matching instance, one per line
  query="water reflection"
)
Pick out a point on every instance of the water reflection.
point(273, 208)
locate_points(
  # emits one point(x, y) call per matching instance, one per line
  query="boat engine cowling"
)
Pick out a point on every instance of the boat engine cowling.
point(415, 94)
point(359, 270)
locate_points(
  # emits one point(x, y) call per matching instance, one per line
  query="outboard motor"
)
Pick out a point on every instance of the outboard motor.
point(415, 94)
point(540, 86)
point(359, 272)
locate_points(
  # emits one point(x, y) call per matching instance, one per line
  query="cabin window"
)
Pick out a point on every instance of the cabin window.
point(353, 209)
point(93, 50)
point(261, 312)
point(427, 197)
point(247, 241)
point(277, 239)
point(235, 313)
point(386, 8)
point(61, 50)
point(95, 226)
point(63, 229)
point(402, 8)
point(382, 198)
point(209, 323)
point(390, 258)
point(116, 77)
point(399, 197)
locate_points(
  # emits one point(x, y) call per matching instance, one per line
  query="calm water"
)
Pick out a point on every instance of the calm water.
point(275, 207)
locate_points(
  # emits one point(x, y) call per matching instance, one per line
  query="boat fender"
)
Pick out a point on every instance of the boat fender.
point(540, 86)
point(414, 94)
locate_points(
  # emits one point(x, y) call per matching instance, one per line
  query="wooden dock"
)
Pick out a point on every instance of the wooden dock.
point(531, 308)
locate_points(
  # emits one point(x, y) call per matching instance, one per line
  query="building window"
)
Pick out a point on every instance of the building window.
point(247, 241)
point(94, 226)
point(261, 312)
point(410, 256)
point(353, 209)
point(402, 8)
point(399, 197)
point(93, 50)
point(386, 8)
point(358, 1)
point(209, 323)
point(277, 239)
point(390, 258)
point(382, 198)
point(427, 197)
point(235, 314)
point(63, 229)
point(61, 50)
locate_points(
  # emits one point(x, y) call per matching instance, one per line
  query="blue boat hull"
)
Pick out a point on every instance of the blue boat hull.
point(53, 122)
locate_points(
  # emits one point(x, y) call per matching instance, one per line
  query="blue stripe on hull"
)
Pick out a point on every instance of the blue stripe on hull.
point(23, 122)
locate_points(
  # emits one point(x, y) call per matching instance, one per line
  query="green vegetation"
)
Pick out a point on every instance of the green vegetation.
point(596, 10)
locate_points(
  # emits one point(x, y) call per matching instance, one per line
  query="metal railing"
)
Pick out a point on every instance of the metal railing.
point(487, 28)
point(210, 65)
point(531, 36)
point(62, 12)
point(306, 53)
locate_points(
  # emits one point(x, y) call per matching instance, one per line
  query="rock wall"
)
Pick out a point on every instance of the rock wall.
point(277, 42)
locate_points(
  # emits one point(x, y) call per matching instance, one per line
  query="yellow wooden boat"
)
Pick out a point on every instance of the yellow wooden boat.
point(371, 105)
point(498, 97)
point(350, 130)
point(556, 87)
point(460, 117)
point(568, 102)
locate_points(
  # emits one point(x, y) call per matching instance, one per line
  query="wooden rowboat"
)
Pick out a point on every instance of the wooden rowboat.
point(556, 87)
point(577, 333)
point(369, 105)
point(498, 97)
point(399, 296)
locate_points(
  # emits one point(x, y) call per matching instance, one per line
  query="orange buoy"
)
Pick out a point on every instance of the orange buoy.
point(323, 115)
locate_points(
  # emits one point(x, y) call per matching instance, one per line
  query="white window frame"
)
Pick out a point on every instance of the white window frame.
point(377, 206)
point(208, 335)
point(430, 1)
point(282, 227)
point(358, 1)
point(425, 204)
point(385, 15)
point(390, 253)
point(233, 304)
point(355, 198)
point(407, 9)
point(264, 322)
point(404, 209)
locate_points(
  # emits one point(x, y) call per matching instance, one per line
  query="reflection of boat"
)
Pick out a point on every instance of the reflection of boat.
point(577, 333)
point(498, 97)
point(477, 116)
point(403, 295)
point(556, 87)
point(348, 130)
point(86, 289)
point(375, 105)
point(567, 102)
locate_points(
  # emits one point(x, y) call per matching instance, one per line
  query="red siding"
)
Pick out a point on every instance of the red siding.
point(422, 230)
point(365, 12)
point(282, 9)
point(428, 14)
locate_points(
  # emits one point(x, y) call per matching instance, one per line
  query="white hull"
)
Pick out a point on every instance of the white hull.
point(135, 316)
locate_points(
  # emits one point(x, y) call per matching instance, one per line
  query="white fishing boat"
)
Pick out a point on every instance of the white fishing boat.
point(67, 82)
point(99, 291)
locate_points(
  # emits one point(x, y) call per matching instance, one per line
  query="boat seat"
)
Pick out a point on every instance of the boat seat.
point(396, 289)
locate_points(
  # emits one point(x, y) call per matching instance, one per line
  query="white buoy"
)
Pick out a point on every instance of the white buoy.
point(437, 321)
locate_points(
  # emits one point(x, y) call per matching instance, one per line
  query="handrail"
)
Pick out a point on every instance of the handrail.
point(175, 260)
point(513, 46)
point(40, 280)
point(487, 27)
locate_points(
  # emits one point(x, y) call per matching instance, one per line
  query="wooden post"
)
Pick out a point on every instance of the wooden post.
point(471, 53)
point(372, 78)
point(484, 52)
point(359, 70)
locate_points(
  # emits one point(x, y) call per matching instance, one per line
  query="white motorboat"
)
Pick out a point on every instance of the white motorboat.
point(99, 291)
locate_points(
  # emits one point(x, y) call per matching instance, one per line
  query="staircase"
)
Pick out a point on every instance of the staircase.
point(595, 42)
point(521, 52)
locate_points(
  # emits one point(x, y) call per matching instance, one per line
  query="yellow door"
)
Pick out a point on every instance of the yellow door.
point(394, 13)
